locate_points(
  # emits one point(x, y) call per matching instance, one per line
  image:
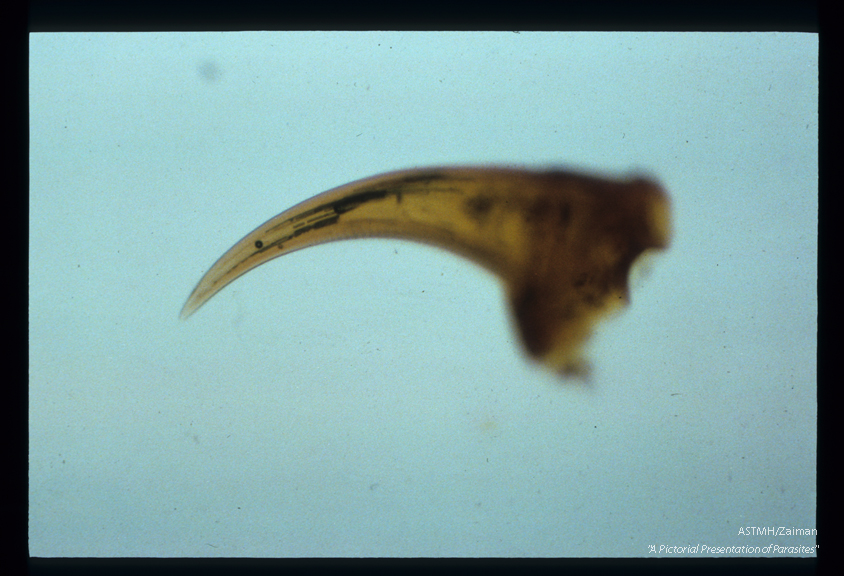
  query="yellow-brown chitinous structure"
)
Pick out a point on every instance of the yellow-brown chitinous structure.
point(562, 242)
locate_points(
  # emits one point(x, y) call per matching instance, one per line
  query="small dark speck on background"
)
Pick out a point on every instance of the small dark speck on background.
point(209, 71)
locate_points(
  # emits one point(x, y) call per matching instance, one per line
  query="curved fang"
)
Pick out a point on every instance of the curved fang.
point(563, 243)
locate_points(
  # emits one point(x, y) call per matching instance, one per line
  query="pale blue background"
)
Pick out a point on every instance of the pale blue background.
point(369, 397)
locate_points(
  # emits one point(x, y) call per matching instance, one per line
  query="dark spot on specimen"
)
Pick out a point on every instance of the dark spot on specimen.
point(259, 244)
point(539, 210)
point(565, 214)
point(478, 206)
